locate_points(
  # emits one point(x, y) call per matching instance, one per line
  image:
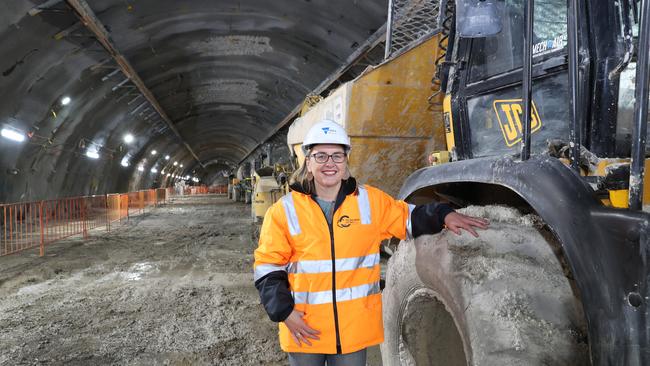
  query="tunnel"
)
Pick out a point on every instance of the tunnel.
point(109, 105)
point(215, 182)
point(103, 96)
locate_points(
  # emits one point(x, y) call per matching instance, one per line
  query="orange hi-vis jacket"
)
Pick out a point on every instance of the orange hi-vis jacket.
point(331, 272)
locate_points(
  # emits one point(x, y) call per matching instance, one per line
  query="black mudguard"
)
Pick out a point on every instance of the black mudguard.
point(607, 249)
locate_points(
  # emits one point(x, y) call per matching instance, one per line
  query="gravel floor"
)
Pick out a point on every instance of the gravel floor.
point(171, 288)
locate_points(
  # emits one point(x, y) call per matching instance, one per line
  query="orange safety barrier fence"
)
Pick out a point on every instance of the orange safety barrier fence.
point(218, 189)
point(195, 190)
point(63, 218)
point(206, 190)
point(95, 211)
point(37, 224)
point(117, 207)
point(136, 202)
point(22, 226)
point(150, 198)
point(161, 196)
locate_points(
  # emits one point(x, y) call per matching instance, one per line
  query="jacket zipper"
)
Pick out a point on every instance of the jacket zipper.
point(336, 313)
point(333, 251)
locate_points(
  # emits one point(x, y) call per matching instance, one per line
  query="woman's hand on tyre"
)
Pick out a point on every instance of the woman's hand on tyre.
point(300, 331)
point(456, 221)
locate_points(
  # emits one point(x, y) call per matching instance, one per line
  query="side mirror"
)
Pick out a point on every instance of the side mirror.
point(477, 18)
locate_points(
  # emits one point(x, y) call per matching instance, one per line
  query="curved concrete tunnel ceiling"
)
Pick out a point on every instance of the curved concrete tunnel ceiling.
point(225, 72)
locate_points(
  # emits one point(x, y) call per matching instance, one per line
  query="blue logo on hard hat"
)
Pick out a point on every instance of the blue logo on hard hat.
point(327, 130)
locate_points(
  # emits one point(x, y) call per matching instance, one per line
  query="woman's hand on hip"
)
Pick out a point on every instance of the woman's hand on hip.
point(300, 331)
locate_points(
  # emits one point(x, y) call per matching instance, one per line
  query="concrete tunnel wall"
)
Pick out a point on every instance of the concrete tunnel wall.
point(226, 73)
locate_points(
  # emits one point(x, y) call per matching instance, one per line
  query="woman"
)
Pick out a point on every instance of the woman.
point(317, 264)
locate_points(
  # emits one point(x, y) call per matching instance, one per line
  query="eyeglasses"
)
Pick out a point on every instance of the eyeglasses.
point(321, 157)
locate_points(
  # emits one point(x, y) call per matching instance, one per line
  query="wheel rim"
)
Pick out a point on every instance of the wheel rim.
point(428, 333)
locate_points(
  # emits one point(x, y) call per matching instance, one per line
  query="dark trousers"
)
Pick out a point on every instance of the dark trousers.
point(357, 358)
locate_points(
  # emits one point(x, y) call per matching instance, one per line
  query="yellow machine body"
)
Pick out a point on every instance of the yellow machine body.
point(266, 190)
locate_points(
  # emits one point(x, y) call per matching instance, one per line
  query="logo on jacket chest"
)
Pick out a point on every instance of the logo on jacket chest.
point(345, 221)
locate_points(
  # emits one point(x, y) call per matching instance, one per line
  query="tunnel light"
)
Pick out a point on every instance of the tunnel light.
point(181, 165)
point(154, 152)
point(125, 161)
point(141, 168)
point(154, 170)
point(65, 101)
point(92, 154)
point(12, 135)
point(169, 174)
point(175, 163)
point(166, 157)
point(128, 138)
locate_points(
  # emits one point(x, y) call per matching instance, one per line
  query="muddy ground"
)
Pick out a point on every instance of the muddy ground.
point(171, 288)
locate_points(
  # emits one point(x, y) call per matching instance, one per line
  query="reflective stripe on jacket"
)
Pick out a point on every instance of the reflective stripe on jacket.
point(330, 273)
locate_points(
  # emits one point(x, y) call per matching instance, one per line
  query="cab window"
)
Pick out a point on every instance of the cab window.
point(502, 53)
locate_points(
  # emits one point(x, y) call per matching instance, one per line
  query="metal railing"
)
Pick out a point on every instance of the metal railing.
point(37, 224)
point(409, 22)
point(31, 225)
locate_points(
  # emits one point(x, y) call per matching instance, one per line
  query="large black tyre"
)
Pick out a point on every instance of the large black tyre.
point(502, 299)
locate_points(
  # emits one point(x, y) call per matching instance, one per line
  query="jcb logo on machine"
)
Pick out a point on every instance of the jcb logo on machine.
point(510, 114)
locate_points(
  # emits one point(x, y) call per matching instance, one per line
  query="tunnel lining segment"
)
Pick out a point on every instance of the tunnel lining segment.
point(90, 20)
point(371, 43)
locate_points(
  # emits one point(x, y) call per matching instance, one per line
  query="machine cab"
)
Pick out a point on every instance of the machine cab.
point(485, 82)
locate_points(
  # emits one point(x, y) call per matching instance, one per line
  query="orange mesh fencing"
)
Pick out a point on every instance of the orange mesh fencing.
point(223, 189)
point(195, 190)
point(206, 190)
point(37, 224)
point(95, 211)
point(150, 197)
point(117, 208)
point(161, 196)
point(21, 227)
point(136, 203)
point(63, 218)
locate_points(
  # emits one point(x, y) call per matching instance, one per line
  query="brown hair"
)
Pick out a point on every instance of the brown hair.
point(304, 178)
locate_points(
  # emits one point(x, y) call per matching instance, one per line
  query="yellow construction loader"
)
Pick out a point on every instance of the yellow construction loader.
point(533, 114)
point(269, 185)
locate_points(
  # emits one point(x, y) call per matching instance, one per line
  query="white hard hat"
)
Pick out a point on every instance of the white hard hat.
point(326, 132)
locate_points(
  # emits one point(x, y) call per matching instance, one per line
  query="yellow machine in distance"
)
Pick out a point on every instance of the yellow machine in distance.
point(269, 185)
